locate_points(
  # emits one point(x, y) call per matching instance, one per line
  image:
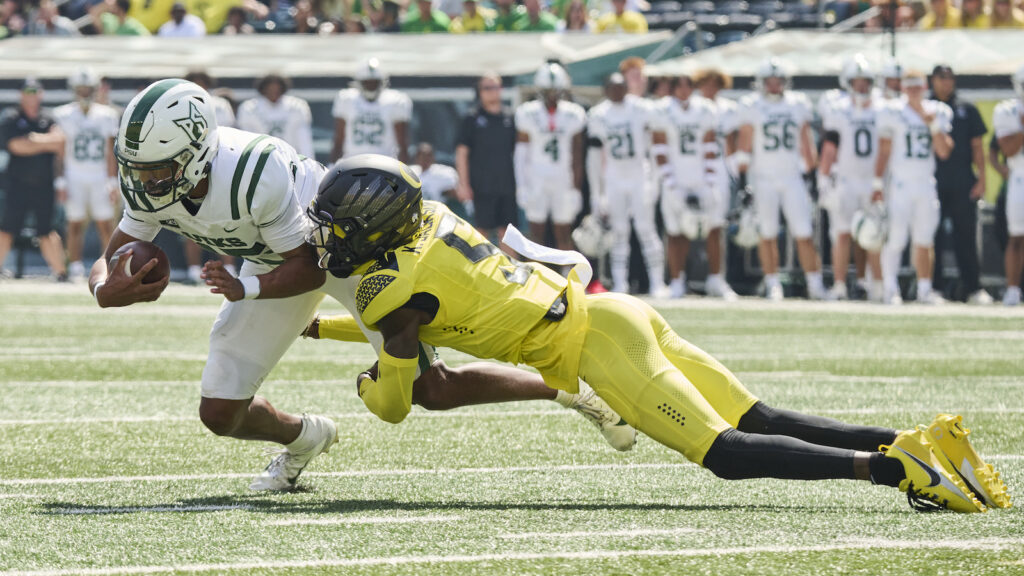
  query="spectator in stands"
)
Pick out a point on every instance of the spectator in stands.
point(509, 14)
point(474, 18)
point(12, 18)
point(451, 8)
point(356, 25)
point(941, 15)
point(48, 22)
point(620, 20)
point(576, 19)
point(483, 157)
point(236, 23)
point(182, 24)
point(306, 19)
point(632, 69)
point(973, 15)
point(390, 18)
point(1005, 15)
point(536, 20)
point(111, 17)
point(960, 180)
point(438, 181)
point(424, 19)
point(31, 136)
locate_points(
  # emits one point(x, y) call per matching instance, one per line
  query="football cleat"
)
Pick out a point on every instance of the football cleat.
point(719, 288)
point(284, 469)
point(774, 293)
point(948, 437)
point(928, 486)
point(615, 430)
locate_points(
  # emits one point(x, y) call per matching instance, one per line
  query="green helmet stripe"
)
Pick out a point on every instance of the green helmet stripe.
point(133, 132)
point(236, 180)
point(256, 174)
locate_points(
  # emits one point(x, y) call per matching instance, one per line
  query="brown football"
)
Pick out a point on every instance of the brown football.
point(143, 252)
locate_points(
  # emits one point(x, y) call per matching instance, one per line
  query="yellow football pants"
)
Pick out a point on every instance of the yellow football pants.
point(661, 384)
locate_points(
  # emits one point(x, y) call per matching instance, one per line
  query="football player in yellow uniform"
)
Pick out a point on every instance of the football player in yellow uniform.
point(427, 275)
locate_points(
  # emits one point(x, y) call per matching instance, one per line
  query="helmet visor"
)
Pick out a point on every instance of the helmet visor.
point(154, 184)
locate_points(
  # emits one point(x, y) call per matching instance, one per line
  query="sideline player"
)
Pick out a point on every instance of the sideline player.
point(686, 152)
point(1008, 121)
point(244, 194)
point(549, 156)
point(617, 128)
point(844, 174)
point(911, 132)
point(278, 114)
point(89, 179)
point(370, 118)
point(429, 276)
point(776, 148)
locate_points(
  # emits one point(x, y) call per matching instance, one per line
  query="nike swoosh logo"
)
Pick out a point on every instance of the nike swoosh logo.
point(932, 474)
point(232, 229)
point(966, 470)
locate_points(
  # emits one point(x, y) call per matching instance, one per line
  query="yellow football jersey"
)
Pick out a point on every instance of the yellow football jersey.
point(488, 305)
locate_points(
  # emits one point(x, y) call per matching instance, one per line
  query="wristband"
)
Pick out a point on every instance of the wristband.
point(60, 182)
point(96, 288)
point(251, 285)
point(877, 184)
point(742, 158)
point(660, 150)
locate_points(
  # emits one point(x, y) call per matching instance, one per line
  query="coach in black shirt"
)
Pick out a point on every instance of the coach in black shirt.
point(960, 187)
point(483, 157)
point(31, 136)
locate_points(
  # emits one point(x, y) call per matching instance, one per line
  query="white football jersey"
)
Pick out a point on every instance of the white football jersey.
point(437, 180)
point(622, 130)
point(370, 125)
point(777, 125)
point(728, 119)
point(288, 119)
point(685, 125)
point(831, 100)
point(86, 133)
point(858, 137)
point(911, 156)
point(259, 188)
point(1006, 120)
point(223, 112)
point(551, 133)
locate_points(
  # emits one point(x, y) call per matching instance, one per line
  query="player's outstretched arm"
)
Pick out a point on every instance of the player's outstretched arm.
point(113, 285)
point(298, 274)
point(390, 395)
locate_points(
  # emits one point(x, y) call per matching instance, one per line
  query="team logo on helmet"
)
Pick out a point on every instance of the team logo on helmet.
point(194, 124)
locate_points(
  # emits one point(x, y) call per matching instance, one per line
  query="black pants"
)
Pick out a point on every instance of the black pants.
point(957, 206)
point(24, 199)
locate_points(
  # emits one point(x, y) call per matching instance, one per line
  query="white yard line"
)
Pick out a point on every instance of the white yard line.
point(983, 544)
point(606, 533)
point(19, 496)
point(138, 509)
point(365, 520)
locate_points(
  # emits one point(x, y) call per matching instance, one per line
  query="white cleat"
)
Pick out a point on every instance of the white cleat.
point(932, 299)
point(676, 289)
point(76, 272)
point(721, 289)
point(980, 298)
point(615, 430)
point(1012, 296)
point(837, 292)
point(284, 469)
point(775, 293)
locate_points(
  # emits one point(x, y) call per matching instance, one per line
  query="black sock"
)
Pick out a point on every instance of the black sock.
point(763, 419)
point(736, 455)
point(886, 471)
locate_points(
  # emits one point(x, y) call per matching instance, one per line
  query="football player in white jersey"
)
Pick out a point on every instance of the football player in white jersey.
point(710, 83)
point(245, 194)
point(685, 127)
point(911, 133)
point(775, 150)
point(891, 79)
point(89, 179)
point(1008, 122)
point(844, 174)
point(548, 156)
point(278, 114)
point(370, 118)
point(616, 169)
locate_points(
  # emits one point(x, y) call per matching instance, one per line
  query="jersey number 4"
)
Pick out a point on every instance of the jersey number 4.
point(514, 272)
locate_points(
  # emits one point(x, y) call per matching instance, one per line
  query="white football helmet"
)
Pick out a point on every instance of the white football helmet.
point(370, 72)
point(83, 82)
point(165, 143)
point(593, 237)
point(870, 227)
point(552, 76)
point(694, 221)
point(891, 70)
point(1018, 82)
point(745, 233)
point(771, 68)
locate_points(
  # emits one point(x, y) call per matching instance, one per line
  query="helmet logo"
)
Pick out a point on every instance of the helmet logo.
point(194, 124)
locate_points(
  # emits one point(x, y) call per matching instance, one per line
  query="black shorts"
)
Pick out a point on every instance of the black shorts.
point(494, 211)
point(22, 199)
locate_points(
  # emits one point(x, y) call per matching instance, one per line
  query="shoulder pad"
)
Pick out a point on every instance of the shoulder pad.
point(381, 292)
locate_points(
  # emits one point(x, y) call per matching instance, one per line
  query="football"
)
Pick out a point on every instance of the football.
point(143, 252)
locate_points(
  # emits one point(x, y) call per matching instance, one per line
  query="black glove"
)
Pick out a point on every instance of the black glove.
point(812, 184)
point(741, 181)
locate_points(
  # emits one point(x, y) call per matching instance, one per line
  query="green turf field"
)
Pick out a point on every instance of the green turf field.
point(105, 468)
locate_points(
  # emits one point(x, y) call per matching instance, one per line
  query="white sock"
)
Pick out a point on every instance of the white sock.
point(657, 277)
point(564, 398)
point(814, 281)
point(301, 442)
point(924, 288)
point(771, 280)
point(715, 279)
point(839, 287)
point(1013, 290)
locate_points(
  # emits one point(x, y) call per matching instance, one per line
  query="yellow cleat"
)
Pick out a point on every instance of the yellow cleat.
point(948, 437)
point(928, 486)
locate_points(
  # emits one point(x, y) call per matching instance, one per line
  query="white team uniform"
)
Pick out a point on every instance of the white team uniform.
point(85, 159)
point(223, 112)
point(728, 122)
point(776, 169)
point(437, 180)
point(623, 131)
point(370, 125)
point(551, 191)
point(288, 119)
point(1007, 121)
point(259, 188)
point(854, 168)
point(685, 125)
